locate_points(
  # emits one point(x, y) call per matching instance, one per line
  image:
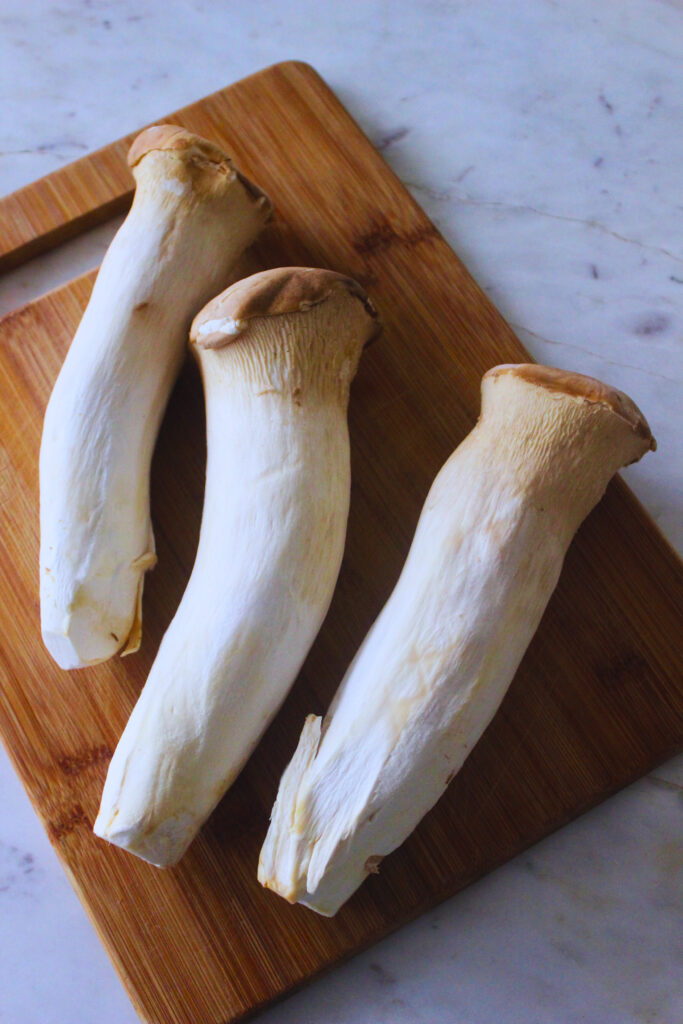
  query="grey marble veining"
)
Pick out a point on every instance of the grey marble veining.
point(544, 139)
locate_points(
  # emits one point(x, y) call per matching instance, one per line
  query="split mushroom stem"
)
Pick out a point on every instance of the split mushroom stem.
point(436, 664)
point(277, 354)
point(192, 216)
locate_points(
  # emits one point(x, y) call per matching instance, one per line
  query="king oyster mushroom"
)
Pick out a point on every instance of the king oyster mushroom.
point(277, 353)
point(436, 664)
point(192, 216)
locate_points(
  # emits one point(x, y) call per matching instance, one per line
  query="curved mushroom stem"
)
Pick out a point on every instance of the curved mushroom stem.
point(436, 664)
point(192, 216)
point(277, 354)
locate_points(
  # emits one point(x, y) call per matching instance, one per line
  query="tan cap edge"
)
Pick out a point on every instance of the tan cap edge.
point(577, 385)
point(272, 293)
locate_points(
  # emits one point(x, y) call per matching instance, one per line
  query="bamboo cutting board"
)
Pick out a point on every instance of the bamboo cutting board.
point(596, 702)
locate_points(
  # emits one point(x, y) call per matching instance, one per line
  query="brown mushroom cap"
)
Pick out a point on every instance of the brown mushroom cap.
point(273, 293)
point(579, 386)
point(173, 138)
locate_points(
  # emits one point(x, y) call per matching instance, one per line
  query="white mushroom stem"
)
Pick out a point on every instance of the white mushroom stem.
point(277, 354)
point(435, 666)
point(192, 216)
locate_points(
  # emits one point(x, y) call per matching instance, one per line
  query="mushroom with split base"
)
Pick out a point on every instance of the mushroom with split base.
point(192, 216)
point(277, 353)
point(436, 664)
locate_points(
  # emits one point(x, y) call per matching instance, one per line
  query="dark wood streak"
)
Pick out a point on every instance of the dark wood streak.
point(74, 764)
point(383, 235)
point(625, 670)
point(58, 830)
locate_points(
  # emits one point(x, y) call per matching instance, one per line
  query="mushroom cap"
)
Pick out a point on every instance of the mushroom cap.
point(193, 149)
point(274, 293)
point(173, 137)
point(580, 387)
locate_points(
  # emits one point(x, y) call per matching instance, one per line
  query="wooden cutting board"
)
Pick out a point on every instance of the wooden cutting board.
point(597, 700)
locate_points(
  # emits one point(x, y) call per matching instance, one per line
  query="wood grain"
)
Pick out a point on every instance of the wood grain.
point(597, 700)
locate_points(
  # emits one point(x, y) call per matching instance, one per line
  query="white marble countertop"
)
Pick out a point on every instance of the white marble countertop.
point(544, 139)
